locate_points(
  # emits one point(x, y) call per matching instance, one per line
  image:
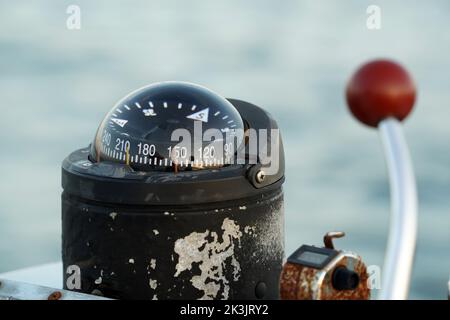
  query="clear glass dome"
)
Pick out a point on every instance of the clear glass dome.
point(170, 126)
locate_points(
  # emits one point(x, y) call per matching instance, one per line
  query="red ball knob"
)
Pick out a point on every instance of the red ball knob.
point(380, 89)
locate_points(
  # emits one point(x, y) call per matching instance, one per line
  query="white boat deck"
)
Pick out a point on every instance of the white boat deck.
point(48, 275)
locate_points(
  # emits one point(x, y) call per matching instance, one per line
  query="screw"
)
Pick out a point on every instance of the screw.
point(260, 176)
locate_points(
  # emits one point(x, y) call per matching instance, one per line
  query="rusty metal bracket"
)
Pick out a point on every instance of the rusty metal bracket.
point(329, 236)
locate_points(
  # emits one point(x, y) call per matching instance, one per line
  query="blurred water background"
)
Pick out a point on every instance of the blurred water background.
point(291, 57)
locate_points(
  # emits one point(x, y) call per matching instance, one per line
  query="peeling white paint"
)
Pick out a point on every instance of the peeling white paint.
point(153, 264)
point(98, 280)
point(243, 208)
point(113, 215)
point(156, 232)
point(273, 232)
point(131, 260)
point(211, 255)
point(250, 230)
point(153, 283)
point(166, 213)
point(155, 297)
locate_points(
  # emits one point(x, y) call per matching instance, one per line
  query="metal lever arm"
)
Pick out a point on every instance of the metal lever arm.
point(403, 227)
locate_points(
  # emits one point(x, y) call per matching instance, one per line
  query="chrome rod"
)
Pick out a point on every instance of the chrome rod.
point(398, 263)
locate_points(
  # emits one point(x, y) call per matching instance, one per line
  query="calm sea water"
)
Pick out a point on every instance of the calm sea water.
point(291, 57)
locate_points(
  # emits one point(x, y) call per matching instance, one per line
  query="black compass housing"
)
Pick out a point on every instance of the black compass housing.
point(158, 230)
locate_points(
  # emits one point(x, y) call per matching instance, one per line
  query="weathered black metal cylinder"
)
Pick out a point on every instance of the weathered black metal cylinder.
point(207, 234)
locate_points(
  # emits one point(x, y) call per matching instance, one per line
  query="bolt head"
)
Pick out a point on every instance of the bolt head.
point(260, 176)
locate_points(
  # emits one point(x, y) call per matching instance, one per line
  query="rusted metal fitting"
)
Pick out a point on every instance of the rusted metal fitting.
point(56, 295)
point(313, 273)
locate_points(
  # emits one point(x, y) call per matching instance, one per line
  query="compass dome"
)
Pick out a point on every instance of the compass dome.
point(169, 125)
